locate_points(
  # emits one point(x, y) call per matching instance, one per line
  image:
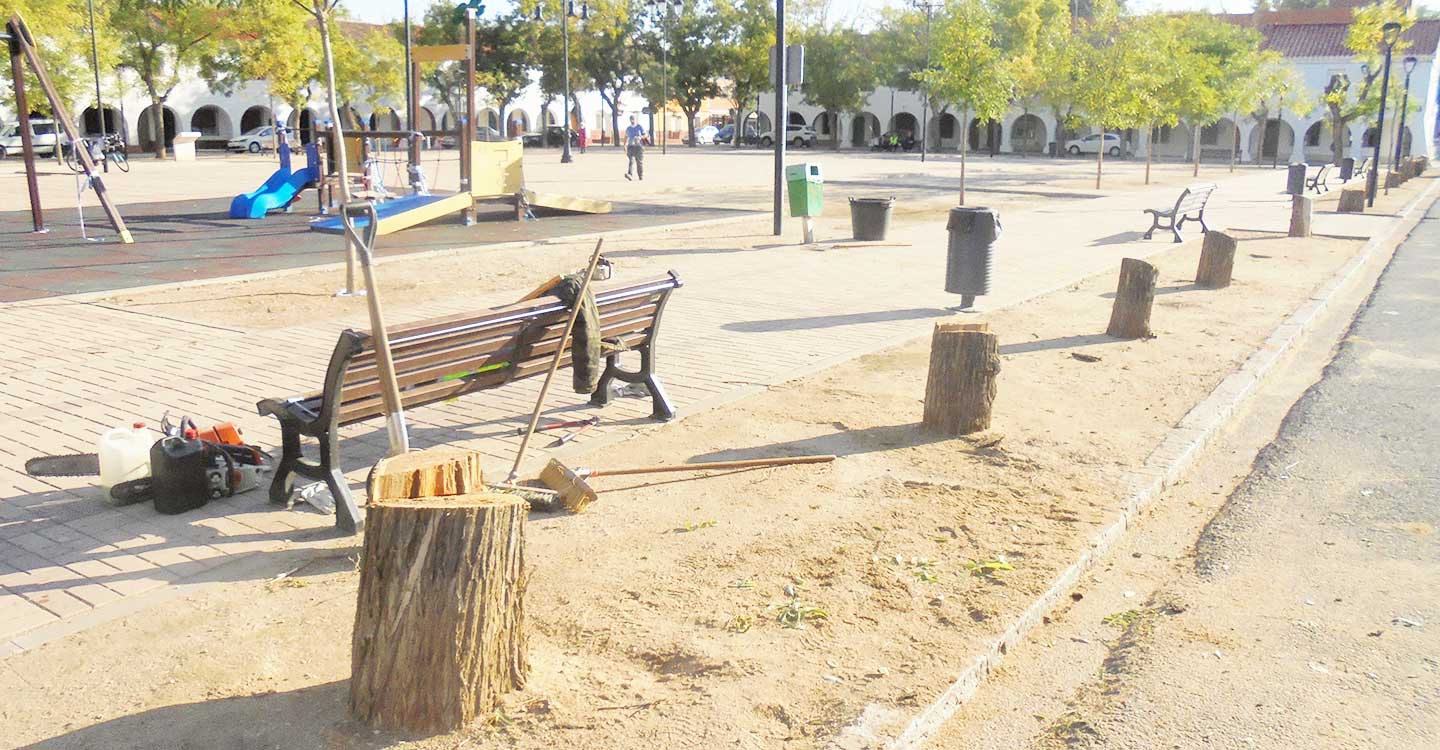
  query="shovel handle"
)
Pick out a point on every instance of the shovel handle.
point(711, 465)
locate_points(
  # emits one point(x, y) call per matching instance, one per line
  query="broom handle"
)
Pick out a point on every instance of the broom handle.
point(555, 363)
point(746, 464)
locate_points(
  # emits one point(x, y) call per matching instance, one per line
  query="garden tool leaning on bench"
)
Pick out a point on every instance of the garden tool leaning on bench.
point(364, 239)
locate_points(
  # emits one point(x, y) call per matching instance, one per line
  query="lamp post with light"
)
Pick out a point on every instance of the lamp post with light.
point(662, 9)
point(1409, 65)
point(1390, 33)
point(568, 13)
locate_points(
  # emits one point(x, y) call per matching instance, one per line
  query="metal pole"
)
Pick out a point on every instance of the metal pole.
point(1380, 126)
point(22, 109)
point(924, 97)
point(781, 116)
point(664, 75)
point(565, 157)
point(99, 106)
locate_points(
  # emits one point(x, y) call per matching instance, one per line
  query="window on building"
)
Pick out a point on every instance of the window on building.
point(1165, 132)
point(1312, 136)
point(1210, 135)
point(947, 127)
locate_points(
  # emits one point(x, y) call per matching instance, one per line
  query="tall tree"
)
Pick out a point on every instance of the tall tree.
point(503, 61)
point(838, 74)
point(609, 55)
point(693, 68)
point(1032, 35)
point(967, 68)
point(61, 30)
point(164, 41)
point(745, 54)
point(1344, 100)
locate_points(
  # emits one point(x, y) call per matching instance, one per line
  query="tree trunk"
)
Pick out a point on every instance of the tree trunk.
point(960, 390)
point(1195, 139)
point(1149, 153)
point(337, 133)
point(1234, 139)
point(1337, 142)
point(1217, 260)
point(738, 134)
point(1352, 201)
point(1302, 209)
point(437, 472)
point(964, 149)
point(1100, 158)
point(1135, 295)
point(157, 125)
point(439, 622)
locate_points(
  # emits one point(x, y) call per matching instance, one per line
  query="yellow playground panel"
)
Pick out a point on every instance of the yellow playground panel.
point(497, 171)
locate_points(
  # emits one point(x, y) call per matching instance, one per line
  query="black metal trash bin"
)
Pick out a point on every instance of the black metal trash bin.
point(973, 232)
point(1295, 180)
point(1347, 168)
point(870, 217)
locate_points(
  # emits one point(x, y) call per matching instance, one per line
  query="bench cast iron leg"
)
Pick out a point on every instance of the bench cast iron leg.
point(661, 408)
point(347, 514)
point(1154, 224)
point(284, 482)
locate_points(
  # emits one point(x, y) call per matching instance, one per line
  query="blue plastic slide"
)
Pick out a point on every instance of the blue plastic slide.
point(280, 190)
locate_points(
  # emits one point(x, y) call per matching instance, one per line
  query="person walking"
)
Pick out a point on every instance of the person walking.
point(583, 136)
point(634, 149)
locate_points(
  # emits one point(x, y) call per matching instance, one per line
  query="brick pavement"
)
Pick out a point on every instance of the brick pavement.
point(743, 321)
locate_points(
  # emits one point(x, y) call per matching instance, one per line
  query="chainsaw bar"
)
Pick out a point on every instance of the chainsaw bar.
point(73, 465)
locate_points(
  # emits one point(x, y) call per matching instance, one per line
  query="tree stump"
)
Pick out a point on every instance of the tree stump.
point(964, 360)
point(439, 622)
point(1394, 179)
point(1135, 295)
point(1352, 201)
point(437, 472)
point(1302, 209)
point(1217, 260)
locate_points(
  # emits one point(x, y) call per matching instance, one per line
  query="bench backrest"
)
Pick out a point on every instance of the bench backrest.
point(1194, 198)
point(443, 358)
point(1364, 165)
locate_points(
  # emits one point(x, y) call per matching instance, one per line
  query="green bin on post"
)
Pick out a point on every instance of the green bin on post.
point(805, 187)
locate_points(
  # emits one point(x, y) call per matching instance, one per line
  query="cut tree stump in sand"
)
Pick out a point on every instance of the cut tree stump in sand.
point(1302, 210)
point(437, 472)
point(964, 360)
point(1134, 296)
point(1352, 201)
point(439, 622)
point(1217, 260)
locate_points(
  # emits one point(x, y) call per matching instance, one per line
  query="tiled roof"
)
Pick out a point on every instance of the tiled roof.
point(1328, 39)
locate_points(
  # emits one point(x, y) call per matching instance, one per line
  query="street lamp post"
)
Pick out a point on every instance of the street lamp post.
point(1409, 65)
point(568, 107)
point(928, 6)
point(662, 9)
point(1390, 33)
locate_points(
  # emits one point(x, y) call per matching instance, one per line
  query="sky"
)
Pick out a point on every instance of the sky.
point(390, 10)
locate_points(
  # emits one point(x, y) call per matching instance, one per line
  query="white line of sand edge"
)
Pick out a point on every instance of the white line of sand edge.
point(1161, 469)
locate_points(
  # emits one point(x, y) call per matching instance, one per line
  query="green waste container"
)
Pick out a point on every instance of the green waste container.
point(805, 186)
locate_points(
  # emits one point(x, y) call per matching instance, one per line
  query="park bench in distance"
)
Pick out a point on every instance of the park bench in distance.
point(1190, 206)
point(1318, 183)
point(443, 358)
point(1360, 170)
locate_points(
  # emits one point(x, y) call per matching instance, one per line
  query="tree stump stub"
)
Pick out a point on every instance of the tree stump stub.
point(1352, 201)
point(1217, 260)
point(1302, 211)
point(1134, 297)
point(961, 387)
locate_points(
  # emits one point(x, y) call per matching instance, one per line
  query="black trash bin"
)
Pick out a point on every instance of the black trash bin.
point(973, 232)
point(870, 217)
point(1347, 168)
point(1295, 180)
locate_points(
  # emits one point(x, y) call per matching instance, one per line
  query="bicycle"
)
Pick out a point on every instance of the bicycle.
point(110, 148)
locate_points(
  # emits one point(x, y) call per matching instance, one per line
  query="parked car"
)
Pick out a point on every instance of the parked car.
point(705, 136)
point(552, 136)
point(254, 140)
point(795, 135)
point(726, 134)
point(482, 133)
point(43, 137)
point(1090, 144)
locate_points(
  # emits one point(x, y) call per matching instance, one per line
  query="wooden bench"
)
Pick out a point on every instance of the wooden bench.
point(1318, 182)
point(1361, 169)
point(1190, 206)
point(443, 358)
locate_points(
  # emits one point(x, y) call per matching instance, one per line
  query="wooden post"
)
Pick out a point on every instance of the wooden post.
point(1302, 209)
point(1134, 296)
point(964, 360)
point(439, 623)
point(1353, 201)
point(1217, 260)
point(22, 110)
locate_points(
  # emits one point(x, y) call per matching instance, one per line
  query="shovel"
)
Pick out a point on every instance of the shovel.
point(364, 239)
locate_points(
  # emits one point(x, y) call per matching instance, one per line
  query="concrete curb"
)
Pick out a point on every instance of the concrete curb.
point(1161, 470)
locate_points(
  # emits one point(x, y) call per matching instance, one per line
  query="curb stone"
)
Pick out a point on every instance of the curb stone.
point(1161, 470)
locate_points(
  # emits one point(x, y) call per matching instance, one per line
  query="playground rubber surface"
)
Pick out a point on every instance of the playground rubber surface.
point(189, 240)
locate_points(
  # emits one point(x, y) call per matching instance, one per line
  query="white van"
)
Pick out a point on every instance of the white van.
point(43, 135)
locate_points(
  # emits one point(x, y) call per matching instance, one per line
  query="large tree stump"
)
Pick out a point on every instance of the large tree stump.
point(1302, 211)
point(964, 360)
point(1352, 201)
point(1135, 295)
point(1217, 260)
point(437, 472)
point(439, 624)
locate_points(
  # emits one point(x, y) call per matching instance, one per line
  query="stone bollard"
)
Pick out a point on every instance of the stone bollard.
point(1352, 201)
point(1301, 210)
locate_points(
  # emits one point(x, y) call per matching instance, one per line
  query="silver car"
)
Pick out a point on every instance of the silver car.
point(42, 134)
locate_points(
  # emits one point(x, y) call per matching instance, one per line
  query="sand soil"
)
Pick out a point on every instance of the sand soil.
point(750, 609)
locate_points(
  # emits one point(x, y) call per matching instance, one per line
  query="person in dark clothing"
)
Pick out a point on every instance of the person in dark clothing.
point(634, 149)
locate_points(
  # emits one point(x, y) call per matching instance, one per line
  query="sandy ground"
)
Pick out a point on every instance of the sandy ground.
point(655, 616)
